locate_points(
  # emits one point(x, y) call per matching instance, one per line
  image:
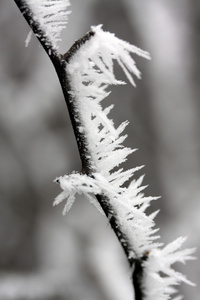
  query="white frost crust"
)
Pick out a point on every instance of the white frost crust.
point(52, 15)
point(91, 72)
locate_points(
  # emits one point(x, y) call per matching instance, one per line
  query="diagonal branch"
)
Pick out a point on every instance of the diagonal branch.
point(59, 61)
point(124, 207)
point(38, 31)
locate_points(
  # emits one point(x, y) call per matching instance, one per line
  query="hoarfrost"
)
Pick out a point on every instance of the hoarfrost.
point(52, 15)
point(28, 39)
point(90, 70)
point(160, 261)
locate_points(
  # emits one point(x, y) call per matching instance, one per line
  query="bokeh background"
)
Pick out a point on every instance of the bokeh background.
point(44, 255)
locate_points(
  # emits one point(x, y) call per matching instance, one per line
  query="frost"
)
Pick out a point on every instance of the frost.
point(28, 39)
point(159, 262)
point(91, 71)
point(76, 183)
point(52, 15)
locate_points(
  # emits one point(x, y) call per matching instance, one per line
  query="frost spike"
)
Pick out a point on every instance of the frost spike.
point(52, 17)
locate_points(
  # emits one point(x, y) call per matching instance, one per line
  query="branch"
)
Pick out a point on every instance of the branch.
point(59, 61)
point(39, 32)
point(85, 71)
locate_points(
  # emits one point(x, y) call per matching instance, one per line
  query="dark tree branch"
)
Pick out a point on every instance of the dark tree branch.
point(137, 277)
point(60, 61)
point(35, 26)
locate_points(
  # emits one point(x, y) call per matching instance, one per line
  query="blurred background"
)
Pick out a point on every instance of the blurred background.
point(44, 255)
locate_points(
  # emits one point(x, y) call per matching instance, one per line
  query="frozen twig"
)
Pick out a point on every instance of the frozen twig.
point(85, 72)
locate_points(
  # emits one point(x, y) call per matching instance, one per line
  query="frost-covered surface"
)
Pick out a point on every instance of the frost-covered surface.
point(90, 71)
point(52, 15)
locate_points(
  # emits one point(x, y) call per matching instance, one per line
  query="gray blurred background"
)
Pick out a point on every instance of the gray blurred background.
point(44, 255)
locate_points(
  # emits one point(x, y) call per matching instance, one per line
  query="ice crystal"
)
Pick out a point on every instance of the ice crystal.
point(77, 183)
point(28, 38)
point(52, 16)
point(91, 71)
point(160, 261)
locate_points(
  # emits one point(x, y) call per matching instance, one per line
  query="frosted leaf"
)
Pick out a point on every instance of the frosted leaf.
point(52, 16)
